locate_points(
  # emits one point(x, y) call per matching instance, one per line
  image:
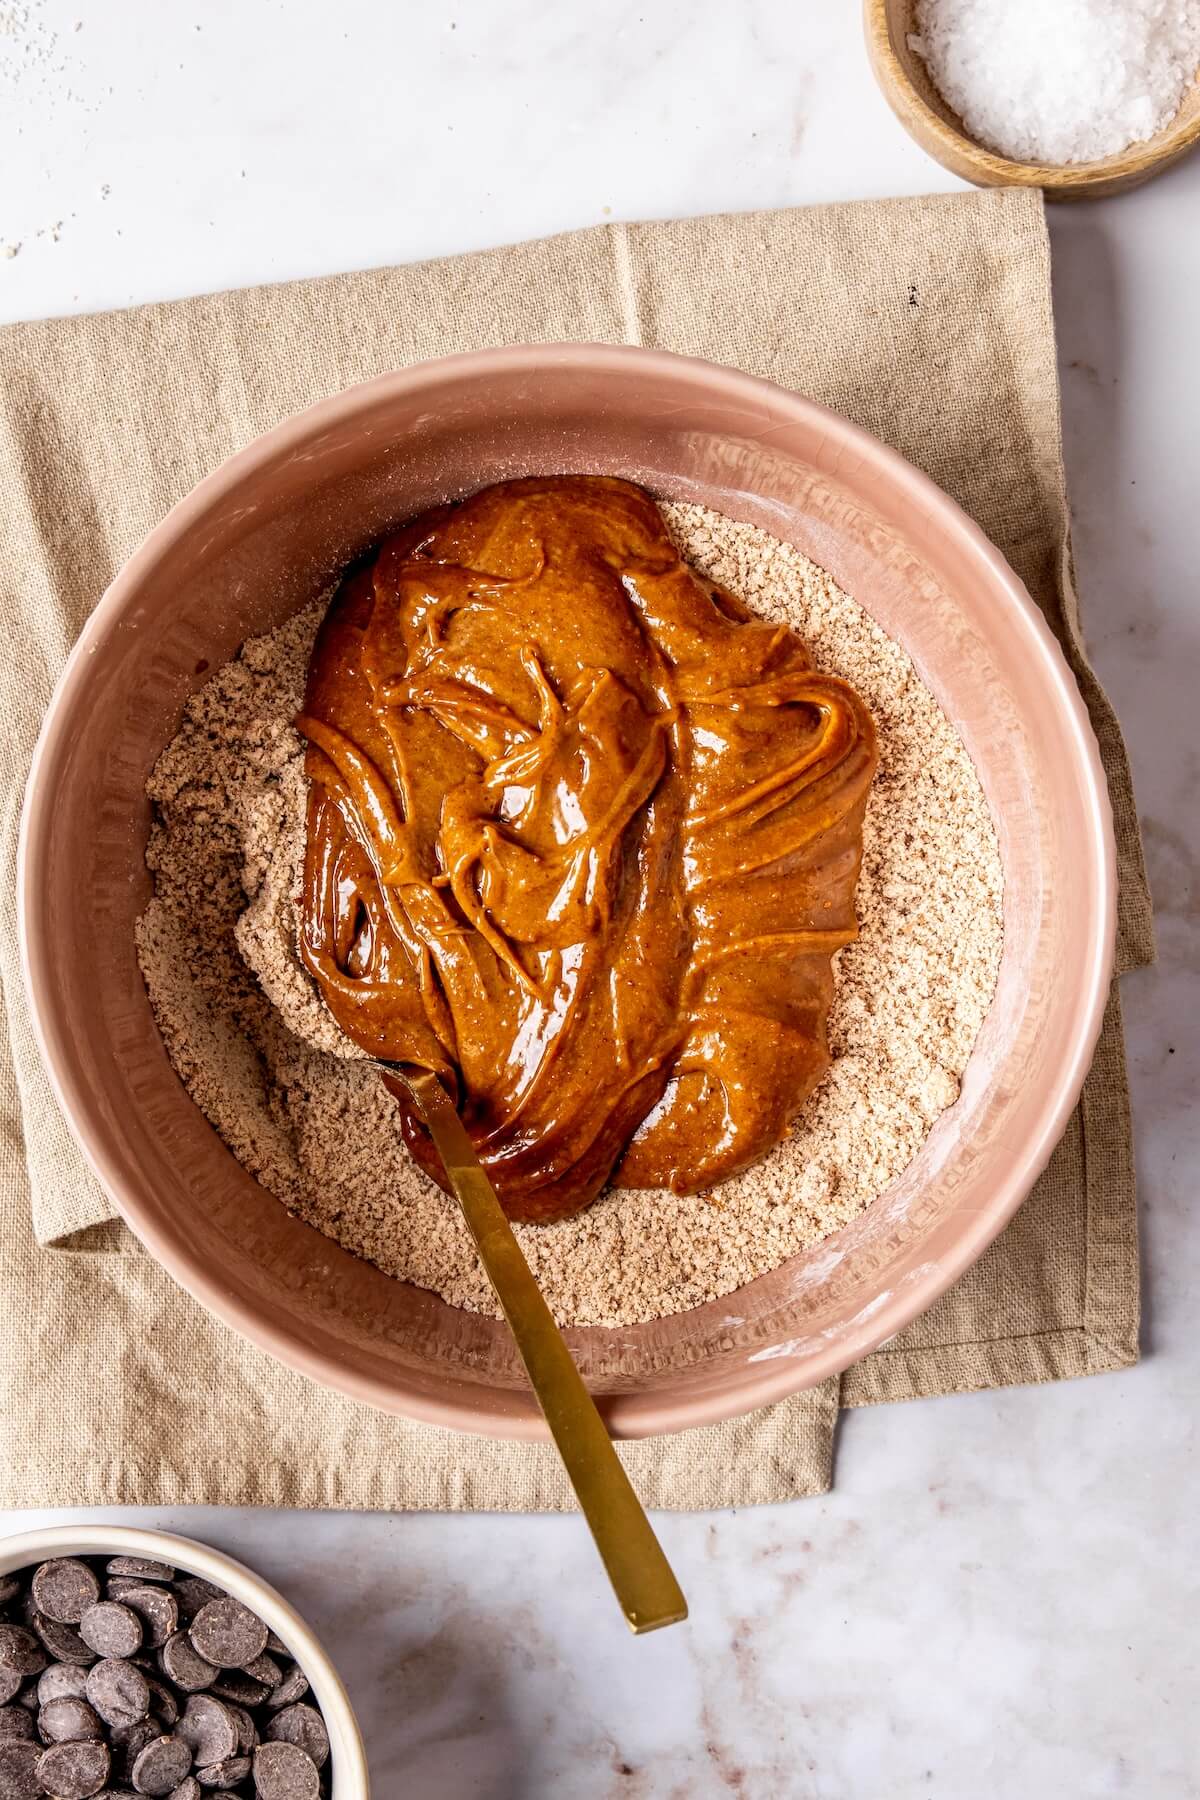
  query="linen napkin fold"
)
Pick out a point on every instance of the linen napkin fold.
point(928, 321)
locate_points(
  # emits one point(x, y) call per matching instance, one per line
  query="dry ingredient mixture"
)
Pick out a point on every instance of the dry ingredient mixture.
point(1060, 81)
point(264, 1060)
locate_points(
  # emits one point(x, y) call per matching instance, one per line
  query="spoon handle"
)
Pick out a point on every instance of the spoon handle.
point(641, 1576)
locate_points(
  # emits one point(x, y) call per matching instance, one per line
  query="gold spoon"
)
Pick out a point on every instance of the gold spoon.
point(641, 1576)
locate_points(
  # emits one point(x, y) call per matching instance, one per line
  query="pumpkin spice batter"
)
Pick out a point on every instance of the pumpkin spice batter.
point(583, 837)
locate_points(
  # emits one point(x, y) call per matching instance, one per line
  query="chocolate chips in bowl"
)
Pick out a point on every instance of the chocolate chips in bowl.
point(124, 1676)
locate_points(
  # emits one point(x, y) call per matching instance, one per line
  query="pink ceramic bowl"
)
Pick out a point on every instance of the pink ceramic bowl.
point(261, 536)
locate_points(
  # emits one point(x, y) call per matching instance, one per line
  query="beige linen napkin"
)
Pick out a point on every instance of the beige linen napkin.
point(926, 320)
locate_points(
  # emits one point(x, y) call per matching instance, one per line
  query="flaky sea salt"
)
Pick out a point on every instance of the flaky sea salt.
point(1060, 81)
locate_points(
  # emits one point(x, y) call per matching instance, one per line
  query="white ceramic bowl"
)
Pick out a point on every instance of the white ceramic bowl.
point(348, 1761)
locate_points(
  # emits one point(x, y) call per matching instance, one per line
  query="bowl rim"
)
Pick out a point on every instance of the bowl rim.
point(1136, 163)
point(628, 1414)
point(23, 1549)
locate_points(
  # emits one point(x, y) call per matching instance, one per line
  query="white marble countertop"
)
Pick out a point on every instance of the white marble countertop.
point(999, 1599)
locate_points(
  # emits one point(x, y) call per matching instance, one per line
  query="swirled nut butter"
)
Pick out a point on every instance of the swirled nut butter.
point(582, 836)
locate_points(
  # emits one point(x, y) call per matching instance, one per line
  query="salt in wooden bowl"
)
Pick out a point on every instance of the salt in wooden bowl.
point(910, 93)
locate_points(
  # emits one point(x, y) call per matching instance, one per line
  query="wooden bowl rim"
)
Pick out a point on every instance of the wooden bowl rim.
point(1169, 143)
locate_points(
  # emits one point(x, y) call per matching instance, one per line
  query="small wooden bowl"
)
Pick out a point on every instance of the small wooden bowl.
point(919, 107)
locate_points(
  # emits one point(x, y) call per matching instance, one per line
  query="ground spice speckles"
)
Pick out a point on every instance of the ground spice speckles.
point(262, 1058)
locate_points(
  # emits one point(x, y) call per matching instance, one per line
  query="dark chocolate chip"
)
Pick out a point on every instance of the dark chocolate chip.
point(74, 1771)
point(193, 1592)
point(158, 1610)
point(18, 1771)
point(293, 1687)
point(163, 1700)
point(60, 1681)
point(118, 1691)
point(64, 1588)
point(62, 1641)
point(20, 1652)
point(236, 1685)
point(117, 1586)
point(162, 1765)
point(285, 1772)
point(131, 1740)
point(301, 1725)
point(142, 1567)
point(111, 1628)
point(264, 1668)
point(224, 1774)
point(228, 1633)
point(184, 1665)
point(208, 1727)
point(247, 1730)
point(114, 1730)
point(67, 1720)
point(135, 1730)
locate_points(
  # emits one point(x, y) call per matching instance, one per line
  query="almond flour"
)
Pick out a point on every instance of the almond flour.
point(264, 1061)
